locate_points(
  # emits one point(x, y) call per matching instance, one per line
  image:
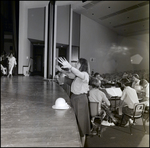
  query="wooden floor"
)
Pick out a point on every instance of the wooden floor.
point(27, 117)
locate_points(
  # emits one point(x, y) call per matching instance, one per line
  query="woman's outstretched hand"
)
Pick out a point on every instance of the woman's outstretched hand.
point(64, 62)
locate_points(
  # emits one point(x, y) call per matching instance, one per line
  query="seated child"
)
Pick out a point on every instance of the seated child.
point(145, 98)
point(99, 77)
point(3, 70)
point(145, 89)
point(128, 99)
point(59, 77)
point(96, 95)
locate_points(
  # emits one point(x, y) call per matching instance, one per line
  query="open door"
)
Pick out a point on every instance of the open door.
point(38, 60)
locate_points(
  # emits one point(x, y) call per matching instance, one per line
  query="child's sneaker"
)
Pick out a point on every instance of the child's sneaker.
point(106, 123)
point(127, 124)
point(94, 132)
point(112, 124)
point(131, 121)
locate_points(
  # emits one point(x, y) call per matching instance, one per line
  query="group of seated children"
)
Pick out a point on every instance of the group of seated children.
point(131, 88)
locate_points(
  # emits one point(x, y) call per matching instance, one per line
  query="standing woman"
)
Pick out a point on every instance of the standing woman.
point(11, 63)
point(79, 90)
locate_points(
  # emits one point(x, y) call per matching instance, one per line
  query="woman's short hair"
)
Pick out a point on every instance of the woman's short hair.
point(94, 82)
point(143, 82)
point(84, 65)
point(96, 74)
point(125, 82)
point(136, 76)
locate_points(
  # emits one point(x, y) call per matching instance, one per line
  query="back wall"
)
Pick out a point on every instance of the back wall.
point(108, 52)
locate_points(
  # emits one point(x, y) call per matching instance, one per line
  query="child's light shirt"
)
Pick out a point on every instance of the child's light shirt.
point(96, 95)
point(12, 61)
point(129, 96)
point(147, 90)
point(136, 85)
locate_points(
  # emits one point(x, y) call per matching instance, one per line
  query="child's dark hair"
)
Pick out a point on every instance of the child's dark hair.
point(95, 83)
point(96, 74)
point(57, 72)
point(125, 82)
point(143, 82)
point(11, 53)
point(136, 76)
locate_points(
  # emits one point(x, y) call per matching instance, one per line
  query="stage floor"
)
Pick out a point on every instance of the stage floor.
point(27, 117)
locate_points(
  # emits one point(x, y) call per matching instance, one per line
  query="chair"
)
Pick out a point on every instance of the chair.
point(138, 112)
point(94, 115)
point(146, 114)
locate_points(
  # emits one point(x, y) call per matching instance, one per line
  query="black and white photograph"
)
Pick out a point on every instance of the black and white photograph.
point(74, 73)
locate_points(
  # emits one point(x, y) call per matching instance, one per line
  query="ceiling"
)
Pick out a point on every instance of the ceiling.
point(127, 18)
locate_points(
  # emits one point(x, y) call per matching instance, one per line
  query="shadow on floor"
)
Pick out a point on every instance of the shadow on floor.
point(115, 136)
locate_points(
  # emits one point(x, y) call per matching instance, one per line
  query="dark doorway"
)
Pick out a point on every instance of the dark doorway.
point(9, 29)
point(38, 60)
point(63, 52)
point(75, 55)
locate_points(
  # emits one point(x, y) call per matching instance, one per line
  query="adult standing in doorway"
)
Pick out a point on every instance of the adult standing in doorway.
point(79, 90)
